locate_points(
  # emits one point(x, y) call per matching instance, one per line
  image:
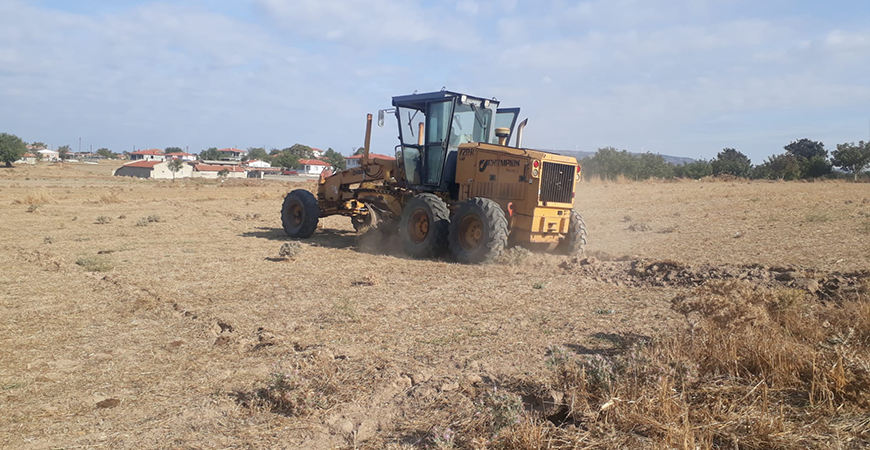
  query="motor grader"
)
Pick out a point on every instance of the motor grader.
point(456, 185)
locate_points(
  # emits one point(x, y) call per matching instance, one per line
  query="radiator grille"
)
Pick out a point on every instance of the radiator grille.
point(557, 182)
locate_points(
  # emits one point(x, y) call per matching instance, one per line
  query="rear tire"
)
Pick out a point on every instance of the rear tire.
point(575, 241)
point(478, 232)
point(300, 214)
point(423, 226)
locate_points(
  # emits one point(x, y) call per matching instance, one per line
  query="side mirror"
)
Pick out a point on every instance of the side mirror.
point(381, 118)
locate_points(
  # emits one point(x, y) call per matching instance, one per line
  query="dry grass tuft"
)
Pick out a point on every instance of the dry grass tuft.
point(41, 197)
point(95, 264)
point(515, 256)
point(290, 250)
point(111, 198)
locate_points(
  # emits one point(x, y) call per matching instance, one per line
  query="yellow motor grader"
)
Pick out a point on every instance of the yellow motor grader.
point(456, 185)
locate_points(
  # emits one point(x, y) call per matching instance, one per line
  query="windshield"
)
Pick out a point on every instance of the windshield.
point(470, 124)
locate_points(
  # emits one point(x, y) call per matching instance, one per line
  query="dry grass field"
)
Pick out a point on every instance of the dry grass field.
point(159, 314)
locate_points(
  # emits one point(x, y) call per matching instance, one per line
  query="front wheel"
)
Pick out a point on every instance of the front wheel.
point(300, 214)
point(423, 226)
point(575, 241)
point(478, 231)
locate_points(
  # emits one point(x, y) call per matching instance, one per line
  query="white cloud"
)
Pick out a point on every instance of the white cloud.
point(467, 7)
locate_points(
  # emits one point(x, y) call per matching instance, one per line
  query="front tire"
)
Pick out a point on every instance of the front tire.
point(423, 226)
point(478, 232)
point(300, 214)
point(575, 241)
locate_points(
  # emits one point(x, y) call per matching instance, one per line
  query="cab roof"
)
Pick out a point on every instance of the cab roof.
point(419, 101)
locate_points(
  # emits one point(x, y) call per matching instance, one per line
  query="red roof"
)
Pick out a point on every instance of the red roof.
point(372, 156)
point(146, 164)
point(153, 151)
point(216, 168)
point(313, 162)
point(29, 155)
point(179, 154)
point(231, 149)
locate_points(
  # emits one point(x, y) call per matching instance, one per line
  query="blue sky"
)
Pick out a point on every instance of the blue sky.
point(679, 77)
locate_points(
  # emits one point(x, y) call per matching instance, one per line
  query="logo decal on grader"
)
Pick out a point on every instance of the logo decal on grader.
point(484, 163)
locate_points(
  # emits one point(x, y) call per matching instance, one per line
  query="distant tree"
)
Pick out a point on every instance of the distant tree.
point(105, 153)
point(731, 162)
point(63, 152)
point(652, 166)
point(286, 160)
point(12, 148)
point(852, 158)
point(274, 151)
point(174, 150)
point(812, 157)
point(359, 151)
point(335, 159)
point(608, 163)
point(817, 166)
point(779, 167)
point(175, 165)
point(38, 144)
point(694, 170)
point(301, 151)
point(211, 154)
point(258, 153)
point(805, 148)
point(223, 173)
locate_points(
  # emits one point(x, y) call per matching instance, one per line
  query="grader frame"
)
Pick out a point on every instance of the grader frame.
point(455, 185)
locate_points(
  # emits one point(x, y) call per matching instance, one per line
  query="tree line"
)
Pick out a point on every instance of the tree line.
point(287, 158)
point(802, 159)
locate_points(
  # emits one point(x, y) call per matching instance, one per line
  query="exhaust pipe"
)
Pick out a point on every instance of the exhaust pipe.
point(520, 132)
point(368, 141)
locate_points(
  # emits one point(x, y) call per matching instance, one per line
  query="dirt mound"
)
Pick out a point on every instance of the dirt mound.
point(667, 273)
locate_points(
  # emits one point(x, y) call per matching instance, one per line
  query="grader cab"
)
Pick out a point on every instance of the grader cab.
point(456, 185)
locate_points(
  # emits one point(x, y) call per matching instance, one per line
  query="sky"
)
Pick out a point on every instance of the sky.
point(677, 77)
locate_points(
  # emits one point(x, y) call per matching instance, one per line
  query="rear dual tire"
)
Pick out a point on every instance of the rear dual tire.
point(575, 241)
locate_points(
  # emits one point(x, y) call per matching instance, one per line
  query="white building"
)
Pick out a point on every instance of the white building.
point(182, 156)
point(312, 166)
point(153, 169)
point(153, 154)
point(49, 155)
point(27, 158)
point(214, 170)
point(257, 164)
point(233, 154)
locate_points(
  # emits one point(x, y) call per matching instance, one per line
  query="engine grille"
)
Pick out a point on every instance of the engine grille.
point(557, 183)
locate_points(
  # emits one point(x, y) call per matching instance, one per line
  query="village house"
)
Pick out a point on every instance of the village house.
point(48, 155)
point(233, 154)
point(27, 158)
point(213, 171)
point(257, 164)
point(318, 153)
point(182, 156)
point(153, 169)
point(312, 166)
point(354, 161)
point(153, 154)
